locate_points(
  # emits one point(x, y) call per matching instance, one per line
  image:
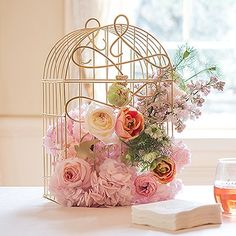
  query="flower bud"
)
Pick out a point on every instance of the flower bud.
point(118, 95)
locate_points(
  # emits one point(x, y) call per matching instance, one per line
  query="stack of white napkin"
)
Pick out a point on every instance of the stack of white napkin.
point(176, 214)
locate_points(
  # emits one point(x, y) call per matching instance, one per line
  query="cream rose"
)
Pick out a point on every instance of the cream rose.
point(100, 122)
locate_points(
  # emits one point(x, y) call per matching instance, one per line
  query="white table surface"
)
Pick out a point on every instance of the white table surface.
point(24, 212)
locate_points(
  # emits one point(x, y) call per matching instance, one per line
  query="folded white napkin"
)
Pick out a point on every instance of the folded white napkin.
point(176, 214)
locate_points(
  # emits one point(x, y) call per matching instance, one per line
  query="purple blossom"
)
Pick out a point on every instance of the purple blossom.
point(185, 104)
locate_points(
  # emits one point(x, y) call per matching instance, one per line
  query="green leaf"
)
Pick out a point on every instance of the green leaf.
point(177, 77)
point(212, 68)
point(84, 149)
point(153, 165)
point(186, 54)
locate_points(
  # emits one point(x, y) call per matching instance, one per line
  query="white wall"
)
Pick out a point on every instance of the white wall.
point(28, 29)
point(205, 153)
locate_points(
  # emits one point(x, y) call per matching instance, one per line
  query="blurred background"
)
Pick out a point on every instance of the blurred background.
point(28, 30)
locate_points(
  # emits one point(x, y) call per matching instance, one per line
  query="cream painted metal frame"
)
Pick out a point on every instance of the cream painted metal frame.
point(83, 64)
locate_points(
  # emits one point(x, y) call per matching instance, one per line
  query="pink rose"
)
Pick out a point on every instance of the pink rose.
point(129, 123)
point(72, 172)
point(146, 186)
point(159, 192)
point(180, 154)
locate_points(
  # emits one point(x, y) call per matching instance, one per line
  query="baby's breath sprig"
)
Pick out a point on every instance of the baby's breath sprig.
point(184, 57)
point(151, 144)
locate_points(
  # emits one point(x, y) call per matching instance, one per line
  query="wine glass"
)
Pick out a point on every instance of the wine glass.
point(225, 185)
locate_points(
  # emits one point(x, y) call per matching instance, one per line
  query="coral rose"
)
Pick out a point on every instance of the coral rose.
point(129, 123)
point(165, 170)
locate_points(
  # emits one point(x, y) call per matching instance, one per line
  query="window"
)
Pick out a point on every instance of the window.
point(209, 26)
point(205, 24)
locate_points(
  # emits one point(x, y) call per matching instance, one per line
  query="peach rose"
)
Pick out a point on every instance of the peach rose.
point(165, 170)
point(129, 123)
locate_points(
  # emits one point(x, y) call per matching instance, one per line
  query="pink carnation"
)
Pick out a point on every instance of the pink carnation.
point(111, 186)
point(66, 196)
point(49, 141)
point(180, 154)
point(114, 151)
point(54, 140)
point(168, 191)
point(85, 200)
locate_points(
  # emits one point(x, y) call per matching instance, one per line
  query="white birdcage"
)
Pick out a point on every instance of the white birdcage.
point(81, 67)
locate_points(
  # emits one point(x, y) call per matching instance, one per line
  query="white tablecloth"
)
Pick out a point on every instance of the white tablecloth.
point(24, 212)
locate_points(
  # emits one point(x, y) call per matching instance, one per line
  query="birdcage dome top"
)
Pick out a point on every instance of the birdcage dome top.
point(119, 46)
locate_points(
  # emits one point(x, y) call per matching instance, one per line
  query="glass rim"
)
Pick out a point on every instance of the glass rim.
point(227, 160)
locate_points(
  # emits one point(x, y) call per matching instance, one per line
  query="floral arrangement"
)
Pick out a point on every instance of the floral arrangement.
point(118, 154)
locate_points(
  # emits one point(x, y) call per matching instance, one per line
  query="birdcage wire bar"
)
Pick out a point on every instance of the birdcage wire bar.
point(85, 63)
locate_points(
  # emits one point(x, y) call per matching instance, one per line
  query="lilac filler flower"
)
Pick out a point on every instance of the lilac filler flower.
point(198, 100)
point(216, 83)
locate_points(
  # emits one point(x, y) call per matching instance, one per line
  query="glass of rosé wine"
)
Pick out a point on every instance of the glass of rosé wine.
point(225, 185)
